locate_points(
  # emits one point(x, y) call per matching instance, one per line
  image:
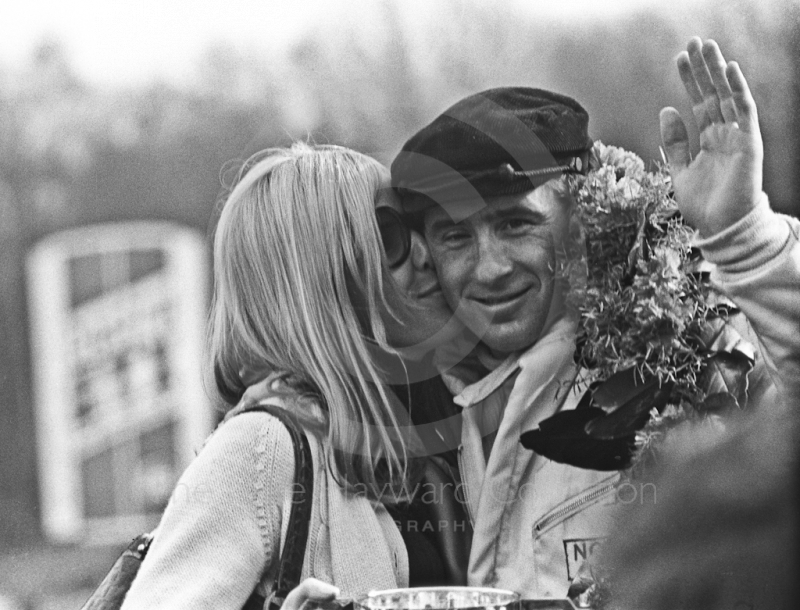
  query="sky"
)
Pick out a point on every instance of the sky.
point(129, 41)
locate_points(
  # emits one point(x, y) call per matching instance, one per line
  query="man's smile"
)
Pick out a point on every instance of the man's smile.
point(499, 300)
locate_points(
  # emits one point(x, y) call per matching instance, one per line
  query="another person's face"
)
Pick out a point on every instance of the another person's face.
point(497, 267)
point(427, 320)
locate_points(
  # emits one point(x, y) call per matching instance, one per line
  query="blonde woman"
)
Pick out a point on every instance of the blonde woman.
point(306, 282)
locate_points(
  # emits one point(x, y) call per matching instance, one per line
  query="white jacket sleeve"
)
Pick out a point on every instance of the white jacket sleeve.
point(757, 265)
point(222, 529)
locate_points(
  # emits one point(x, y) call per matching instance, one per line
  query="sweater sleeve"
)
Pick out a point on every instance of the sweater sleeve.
point(757, 264)
point(222, 529)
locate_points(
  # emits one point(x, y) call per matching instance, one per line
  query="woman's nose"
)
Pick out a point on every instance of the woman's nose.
point(420, 253)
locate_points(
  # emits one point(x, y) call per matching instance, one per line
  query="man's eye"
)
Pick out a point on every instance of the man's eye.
point(517, 224)
point(454, 237)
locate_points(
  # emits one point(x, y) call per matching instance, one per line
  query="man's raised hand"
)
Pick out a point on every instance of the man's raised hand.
point(722, 184)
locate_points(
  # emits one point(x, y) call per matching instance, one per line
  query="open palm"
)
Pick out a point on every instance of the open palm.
point(722, 184)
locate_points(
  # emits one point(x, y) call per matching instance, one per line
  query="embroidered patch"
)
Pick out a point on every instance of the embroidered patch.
point(578, 550)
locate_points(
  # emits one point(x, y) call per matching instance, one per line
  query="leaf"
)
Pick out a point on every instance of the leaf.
point(570, 420)
point(710, 330)
point(726, 372)
point(631, 416)
point(587, 398)
point(563, 438)
point(721, 303)
point(719, 401)
point(637, 250)
point(721, 336)
point(621, 387)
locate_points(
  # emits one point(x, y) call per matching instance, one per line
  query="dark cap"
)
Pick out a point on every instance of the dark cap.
point(501, 141)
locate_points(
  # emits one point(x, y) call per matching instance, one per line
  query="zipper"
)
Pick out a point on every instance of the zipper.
point(464, 485)
point(547, 520)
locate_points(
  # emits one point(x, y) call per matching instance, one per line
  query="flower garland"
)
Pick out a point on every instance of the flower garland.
point(647, 311)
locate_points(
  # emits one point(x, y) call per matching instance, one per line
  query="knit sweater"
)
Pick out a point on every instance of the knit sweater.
point(757, 265)
point(223, 529)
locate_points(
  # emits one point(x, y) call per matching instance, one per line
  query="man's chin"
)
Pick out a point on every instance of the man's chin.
point(502, 338)
point(503, 344)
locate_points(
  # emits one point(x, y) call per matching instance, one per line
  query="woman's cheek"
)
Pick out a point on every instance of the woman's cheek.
point(403, 277)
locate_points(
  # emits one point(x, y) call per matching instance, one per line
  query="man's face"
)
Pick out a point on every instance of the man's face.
point(496, 268)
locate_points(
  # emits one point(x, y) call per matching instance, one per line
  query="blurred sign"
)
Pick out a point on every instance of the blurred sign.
point(117, 316)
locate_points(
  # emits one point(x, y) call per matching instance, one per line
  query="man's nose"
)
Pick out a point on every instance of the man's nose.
point(492, 261)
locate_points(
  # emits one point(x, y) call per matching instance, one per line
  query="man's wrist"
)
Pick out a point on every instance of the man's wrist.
point(748, 243)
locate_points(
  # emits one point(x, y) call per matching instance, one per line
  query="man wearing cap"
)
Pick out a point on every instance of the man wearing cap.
point(484, 181)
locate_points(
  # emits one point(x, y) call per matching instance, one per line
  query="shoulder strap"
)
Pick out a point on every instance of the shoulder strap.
point(291, 562)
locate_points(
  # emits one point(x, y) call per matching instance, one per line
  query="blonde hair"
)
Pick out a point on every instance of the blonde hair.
point(300, 282)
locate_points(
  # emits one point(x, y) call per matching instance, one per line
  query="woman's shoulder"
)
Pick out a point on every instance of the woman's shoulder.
point(252, 430)
point(245, 441)
point(225, 515)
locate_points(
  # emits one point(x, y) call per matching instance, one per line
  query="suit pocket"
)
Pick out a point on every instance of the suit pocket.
point(575, 504)
point(569, 534)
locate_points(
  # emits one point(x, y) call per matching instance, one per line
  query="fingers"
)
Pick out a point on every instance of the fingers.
point(695, 95)
point(709, 82)
point(704, 81)
point(745, 104)
point(716, 69)
point(675, 139)
point(310, 589)
point(270, 386)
